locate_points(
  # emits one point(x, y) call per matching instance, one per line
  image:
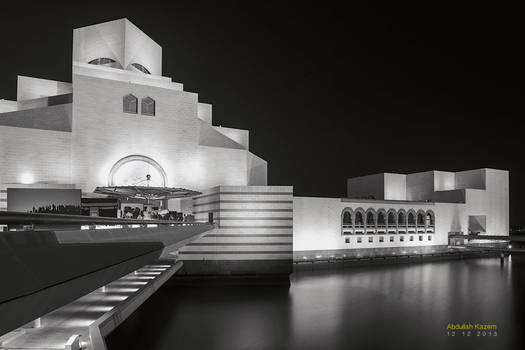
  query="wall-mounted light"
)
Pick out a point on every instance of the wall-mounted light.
point(27, 178)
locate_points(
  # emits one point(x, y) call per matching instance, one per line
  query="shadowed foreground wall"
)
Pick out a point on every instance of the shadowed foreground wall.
point(40, 275)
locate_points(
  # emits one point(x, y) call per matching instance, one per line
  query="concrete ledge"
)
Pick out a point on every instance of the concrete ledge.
point(389, 260)
point(73, 343)
point(233, 280)
point(237, 267)
point(6, 338)
point(112, 319)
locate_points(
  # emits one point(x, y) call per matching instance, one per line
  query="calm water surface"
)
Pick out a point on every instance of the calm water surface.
point(377, 307)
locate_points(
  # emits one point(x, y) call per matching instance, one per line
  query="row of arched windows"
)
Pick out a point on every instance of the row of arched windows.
point(371, 218)
point(130, 105)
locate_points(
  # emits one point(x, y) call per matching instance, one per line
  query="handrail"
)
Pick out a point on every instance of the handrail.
point(21, 218)
point(481, 237)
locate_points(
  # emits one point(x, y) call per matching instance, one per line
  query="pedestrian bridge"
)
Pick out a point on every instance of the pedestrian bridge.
point(57, 259)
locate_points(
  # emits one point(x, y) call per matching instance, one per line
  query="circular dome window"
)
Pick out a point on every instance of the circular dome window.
point(137, 170)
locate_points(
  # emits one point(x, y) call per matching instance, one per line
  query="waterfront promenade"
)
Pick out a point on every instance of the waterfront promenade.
point(392, 256)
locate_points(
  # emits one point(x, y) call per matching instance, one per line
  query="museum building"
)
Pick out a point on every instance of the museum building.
point(121, 123)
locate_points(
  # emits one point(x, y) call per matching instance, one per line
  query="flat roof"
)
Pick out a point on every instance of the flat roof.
point(393, 201)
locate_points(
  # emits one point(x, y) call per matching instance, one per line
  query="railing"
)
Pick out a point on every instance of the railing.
point(382, 230)
point(20, 218)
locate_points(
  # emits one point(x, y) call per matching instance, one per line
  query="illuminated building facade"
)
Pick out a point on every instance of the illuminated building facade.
point(120, 122)
point(398, 211)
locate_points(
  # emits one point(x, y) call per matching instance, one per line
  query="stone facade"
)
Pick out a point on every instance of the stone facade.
point(441, 203)
point(46, 139)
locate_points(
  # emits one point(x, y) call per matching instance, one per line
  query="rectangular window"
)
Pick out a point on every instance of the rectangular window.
point(391, 238)
point(421, 238)
point(401, 238)
point(381, 239)
point(358, 239)
point(411, 238)
point(370, 239)
point(429, 238)
point(347, 240)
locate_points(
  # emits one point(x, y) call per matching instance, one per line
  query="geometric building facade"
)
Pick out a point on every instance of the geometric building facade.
point(254, 223)
point(120, 123)
point(118, 105)
point(396, 211)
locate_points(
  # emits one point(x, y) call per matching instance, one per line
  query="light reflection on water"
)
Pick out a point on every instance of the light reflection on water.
point(395, 306)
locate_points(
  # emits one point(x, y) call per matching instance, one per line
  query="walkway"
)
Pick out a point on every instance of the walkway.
point(93, 316)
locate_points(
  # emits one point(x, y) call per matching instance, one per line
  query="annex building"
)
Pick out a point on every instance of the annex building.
point(397, 211)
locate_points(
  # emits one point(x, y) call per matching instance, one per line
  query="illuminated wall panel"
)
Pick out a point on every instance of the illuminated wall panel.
point(254, 223)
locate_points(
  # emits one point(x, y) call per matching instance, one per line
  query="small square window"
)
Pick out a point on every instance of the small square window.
point(358, 239)
point(347, 240)
point(411, 238)
point(401, 238)
point(429, 238)
point(381, 239)
point(391, 238)
point(370, 239)
point(421, 238)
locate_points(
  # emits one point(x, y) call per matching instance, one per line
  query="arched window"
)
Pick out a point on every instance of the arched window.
point(347, 218)
point(429, 219)
point(101, 61)
point(359, 218)
point(411, 219)
point(129, 104)
point(370, 221)
point(391, 219)
point(141, 68)
point(381, 218)
point(401, 218)
point(420, 219)
point(147, 106)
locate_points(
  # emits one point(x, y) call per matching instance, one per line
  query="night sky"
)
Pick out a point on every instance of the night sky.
point(327, 93)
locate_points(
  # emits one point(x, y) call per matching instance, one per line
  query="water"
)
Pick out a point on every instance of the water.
point(376, 307)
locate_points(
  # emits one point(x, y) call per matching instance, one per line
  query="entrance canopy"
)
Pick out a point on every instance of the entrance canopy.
point(146, 192)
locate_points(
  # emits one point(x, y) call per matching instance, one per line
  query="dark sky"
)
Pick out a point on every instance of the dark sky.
point(327, 92)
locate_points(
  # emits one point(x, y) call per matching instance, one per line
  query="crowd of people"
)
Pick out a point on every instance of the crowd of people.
point(128, 212)
point(57, 209)
point(155, 214)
